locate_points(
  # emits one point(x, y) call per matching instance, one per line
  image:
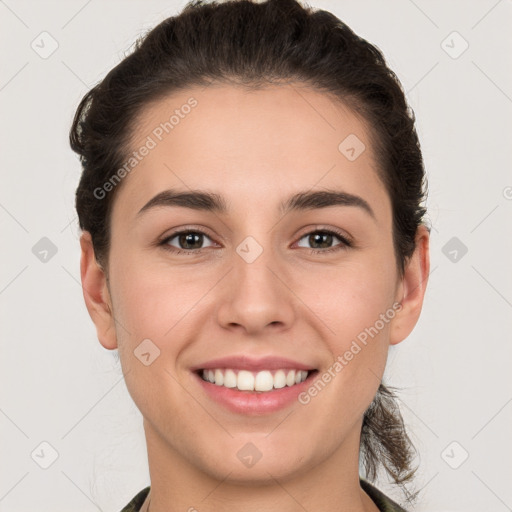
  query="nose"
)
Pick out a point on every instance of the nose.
point(256, 295)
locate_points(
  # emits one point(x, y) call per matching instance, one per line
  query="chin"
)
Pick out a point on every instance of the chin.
point(254, 462)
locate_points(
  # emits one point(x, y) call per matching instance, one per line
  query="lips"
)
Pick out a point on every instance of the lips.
point(245, 362)
point(253, 386)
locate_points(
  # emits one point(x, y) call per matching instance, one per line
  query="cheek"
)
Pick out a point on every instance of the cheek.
point(349, 298)
point(151, 299)
point(354, 305)
point(154, 315)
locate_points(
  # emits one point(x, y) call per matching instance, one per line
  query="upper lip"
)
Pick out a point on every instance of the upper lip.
point(245, 362)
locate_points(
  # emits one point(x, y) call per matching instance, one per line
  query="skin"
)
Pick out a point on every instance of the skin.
point(255, 149)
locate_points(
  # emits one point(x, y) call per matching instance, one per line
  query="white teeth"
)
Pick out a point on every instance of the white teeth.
point(219, 378)
point(279, 379)
point(230, 379)
point(263, 381)
point(254, 381)
point(245, 381)
point(300, 376)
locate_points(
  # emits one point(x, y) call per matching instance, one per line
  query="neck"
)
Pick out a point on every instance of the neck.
point(178, 485)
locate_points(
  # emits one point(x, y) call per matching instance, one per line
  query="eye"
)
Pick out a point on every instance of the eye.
point(186, 241)
point(190, 241)
point(324, 238)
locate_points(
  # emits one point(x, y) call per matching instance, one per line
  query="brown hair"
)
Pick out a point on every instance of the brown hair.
point(254, 45)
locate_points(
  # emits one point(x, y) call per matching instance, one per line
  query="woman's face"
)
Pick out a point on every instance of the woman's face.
point(262, 281)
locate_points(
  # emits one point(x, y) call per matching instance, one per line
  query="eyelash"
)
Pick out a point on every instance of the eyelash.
point(345, 243)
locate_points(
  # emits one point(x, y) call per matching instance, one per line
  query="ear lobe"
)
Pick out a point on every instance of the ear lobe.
point(96, 294)
point(412, 288)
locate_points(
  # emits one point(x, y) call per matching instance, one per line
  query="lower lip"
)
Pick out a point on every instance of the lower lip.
point(254, 402)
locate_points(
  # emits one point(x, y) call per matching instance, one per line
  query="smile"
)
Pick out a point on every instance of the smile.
point(262, 381)
point(254, 386)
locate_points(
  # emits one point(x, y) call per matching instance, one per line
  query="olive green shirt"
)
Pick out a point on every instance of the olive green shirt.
point(383, 503)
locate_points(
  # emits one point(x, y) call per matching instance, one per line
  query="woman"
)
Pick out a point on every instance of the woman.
point(252, 244)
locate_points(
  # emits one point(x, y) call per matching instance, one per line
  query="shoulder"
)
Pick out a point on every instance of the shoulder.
point(384, 503)
point(137, 501)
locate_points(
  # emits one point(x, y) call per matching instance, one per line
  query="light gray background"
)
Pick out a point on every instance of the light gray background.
point(60, 386)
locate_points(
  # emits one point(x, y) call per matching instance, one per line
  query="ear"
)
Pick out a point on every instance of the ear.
point(96, 293)
point(411, 290)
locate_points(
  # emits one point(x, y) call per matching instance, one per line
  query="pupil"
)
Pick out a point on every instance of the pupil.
point(318, 236)
point(189, 239)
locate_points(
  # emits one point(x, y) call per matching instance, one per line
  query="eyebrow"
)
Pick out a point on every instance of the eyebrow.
point(215, 203)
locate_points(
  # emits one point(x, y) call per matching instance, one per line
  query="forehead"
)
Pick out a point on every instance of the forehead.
point(254, 146)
